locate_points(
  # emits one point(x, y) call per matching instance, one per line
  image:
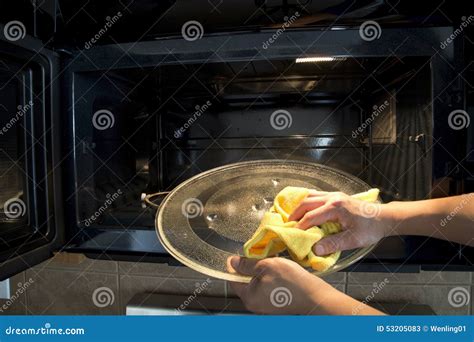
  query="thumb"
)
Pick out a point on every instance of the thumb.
point(245, 266)
point(337, 242)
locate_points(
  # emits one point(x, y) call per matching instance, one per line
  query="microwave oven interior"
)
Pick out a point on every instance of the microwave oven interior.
point(370, 117)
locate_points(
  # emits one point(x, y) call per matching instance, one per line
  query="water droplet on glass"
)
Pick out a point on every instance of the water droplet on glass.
point(275, 182)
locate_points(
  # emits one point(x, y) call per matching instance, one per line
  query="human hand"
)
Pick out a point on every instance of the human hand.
point(362, 223)
point(281, 286)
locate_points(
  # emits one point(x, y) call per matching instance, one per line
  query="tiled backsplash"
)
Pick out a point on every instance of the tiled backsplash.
point(98, 287)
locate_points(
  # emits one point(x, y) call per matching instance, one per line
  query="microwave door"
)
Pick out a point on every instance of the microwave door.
point(30, 199)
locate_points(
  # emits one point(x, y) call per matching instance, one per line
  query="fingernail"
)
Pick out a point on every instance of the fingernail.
point(234, 262)
point(319, 250)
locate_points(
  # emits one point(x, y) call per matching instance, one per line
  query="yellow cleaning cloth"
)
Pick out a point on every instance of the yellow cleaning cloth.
point(275, 234)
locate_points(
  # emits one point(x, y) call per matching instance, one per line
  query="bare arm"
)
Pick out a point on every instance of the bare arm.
point(363, 223)
point(450, 218)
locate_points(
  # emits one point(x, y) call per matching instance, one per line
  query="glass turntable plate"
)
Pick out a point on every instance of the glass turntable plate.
point(209, 217)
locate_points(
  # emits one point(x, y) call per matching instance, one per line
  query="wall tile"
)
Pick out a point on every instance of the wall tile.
point(131, 285)
point(424, 278)
point(435, 296)
point(17, 304)
point(60, 292)
point(158, 270)
point(231, 293)
point(336, 278)
point(79, 262)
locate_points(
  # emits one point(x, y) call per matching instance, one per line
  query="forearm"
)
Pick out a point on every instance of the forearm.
point(338, 303)
point(450, 218)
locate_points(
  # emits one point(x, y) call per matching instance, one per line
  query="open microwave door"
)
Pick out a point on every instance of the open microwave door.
point(29, 151)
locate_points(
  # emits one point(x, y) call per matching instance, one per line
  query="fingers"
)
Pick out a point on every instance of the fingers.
point(239, 289)
point(337, 242)
point(245, 266)
point(313, 193)
point(310, 203)
point(235, 265)
point(318, 216)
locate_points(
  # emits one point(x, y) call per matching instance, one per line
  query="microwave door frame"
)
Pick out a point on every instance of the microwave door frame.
point(45, 226)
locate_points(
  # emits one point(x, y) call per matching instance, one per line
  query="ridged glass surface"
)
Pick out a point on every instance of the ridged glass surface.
point(209, 217)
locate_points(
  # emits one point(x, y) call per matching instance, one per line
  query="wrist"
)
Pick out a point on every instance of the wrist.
point(336, 302)
point(328, 301)
point(390, 218)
